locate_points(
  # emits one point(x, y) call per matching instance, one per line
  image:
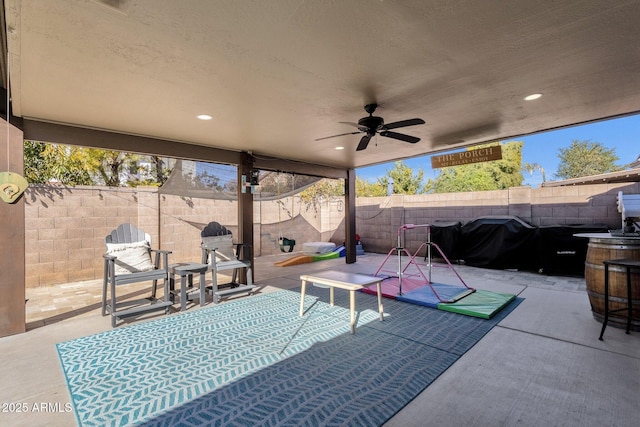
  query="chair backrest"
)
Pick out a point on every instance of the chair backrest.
point(131, 247)
point(127, 233)
point(215, 235)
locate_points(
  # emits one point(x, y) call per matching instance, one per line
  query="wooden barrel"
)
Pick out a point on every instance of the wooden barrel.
point(607, 248)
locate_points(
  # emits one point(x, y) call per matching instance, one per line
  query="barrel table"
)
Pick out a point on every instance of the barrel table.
point(603, 247)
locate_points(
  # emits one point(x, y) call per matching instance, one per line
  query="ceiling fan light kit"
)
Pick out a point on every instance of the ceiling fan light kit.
point(373, 125)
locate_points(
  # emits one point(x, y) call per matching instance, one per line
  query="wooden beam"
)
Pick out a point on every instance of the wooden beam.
point(301, 168)
point(72, 135)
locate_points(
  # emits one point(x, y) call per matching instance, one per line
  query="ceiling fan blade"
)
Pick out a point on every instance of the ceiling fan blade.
point(362, 128)
point(403, 123)
point(334, 136)
point(400, 136)
point(364, 142)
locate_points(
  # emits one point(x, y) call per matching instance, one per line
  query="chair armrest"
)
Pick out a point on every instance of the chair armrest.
point(162, 251)
point(206, 249)
point(108, 257)
point(165, 259)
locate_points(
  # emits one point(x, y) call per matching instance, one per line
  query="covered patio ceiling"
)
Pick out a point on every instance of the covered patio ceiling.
point(277, 75)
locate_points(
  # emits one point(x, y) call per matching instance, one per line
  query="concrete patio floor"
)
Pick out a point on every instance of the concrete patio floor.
point(542, 365)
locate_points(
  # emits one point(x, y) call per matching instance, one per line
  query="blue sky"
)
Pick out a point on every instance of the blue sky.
point(621, 134)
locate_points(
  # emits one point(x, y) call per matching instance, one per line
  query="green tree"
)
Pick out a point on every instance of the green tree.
point(148, 170)
point(586, 158)
point(160, 169)
point(44, 163)
point(108, 165)
point(493, 175)
point(365, 188)
point(322, 189)
point(313, 194)
point(404, 180)
point(72, 165)
point(35, 165)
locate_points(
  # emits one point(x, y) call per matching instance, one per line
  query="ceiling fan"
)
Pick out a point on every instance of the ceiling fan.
point(372, 125)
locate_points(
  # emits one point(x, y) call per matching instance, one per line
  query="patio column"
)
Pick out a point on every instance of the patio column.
point(12, 232)
point(350, 216)
point(245, 210)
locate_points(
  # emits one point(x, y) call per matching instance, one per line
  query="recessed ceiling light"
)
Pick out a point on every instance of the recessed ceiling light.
point(339, 148)
point(205, 117)
point(532, 96)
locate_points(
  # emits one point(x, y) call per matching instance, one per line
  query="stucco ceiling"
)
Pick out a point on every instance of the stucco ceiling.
point(276, 75)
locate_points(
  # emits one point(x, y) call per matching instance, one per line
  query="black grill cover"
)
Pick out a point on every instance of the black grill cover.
point(499, 242)
point(447, 235)
point(560, 252)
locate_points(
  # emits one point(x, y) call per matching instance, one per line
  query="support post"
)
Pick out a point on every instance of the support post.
point(245, 211)
point(12, 234)
point(350, 216)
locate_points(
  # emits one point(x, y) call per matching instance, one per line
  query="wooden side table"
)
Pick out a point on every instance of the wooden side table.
point(186, 271)
point(628, 264)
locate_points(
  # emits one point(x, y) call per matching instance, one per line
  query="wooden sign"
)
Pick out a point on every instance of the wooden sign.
point(478, 155)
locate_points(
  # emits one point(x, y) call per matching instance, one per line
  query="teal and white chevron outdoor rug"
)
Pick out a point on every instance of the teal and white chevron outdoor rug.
point(255, 362)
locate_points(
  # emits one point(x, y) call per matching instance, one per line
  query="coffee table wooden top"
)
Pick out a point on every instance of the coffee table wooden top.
point(341, 279)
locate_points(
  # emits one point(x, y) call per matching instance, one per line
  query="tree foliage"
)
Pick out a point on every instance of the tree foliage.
point(321, 190)
point(404, 182)
point(152, 172)
point(404, 179)
point(493, 175)
point(365, 188)
point(324, 188)
point(108, 164)
point(35, 165)
point(44, 163)
point(585, 158)
point(71, 165)
point(278, 183)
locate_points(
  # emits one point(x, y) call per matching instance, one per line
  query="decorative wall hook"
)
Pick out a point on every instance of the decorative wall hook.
point(12, 186)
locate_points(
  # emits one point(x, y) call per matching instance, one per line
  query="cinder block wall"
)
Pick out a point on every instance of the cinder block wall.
point(65, 227)
point(378, 218)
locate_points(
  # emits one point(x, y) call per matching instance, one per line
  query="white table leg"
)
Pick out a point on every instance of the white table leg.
point(331, 295)
point(302, 290)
